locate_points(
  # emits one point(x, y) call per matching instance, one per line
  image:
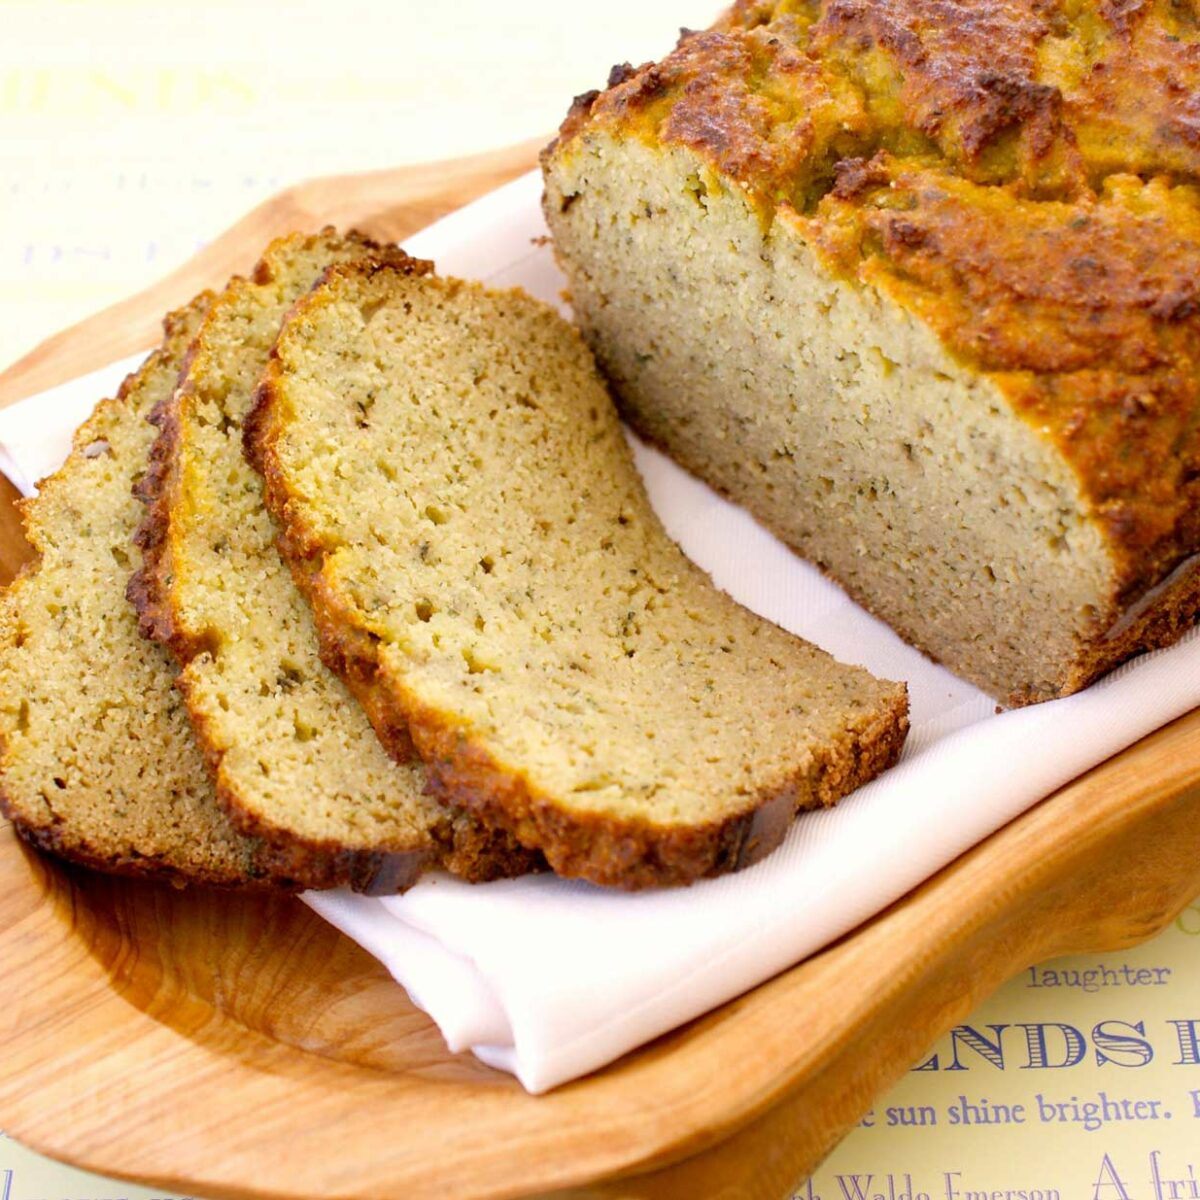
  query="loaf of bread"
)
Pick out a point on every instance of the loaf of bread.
point(455, 488)
point(919, 284)
point(295, 760)
point(98, 763)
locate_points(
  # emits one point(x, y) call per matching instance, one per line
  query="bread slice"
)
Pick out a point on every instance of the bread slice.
point(921, 292)
point(294, 758)
point(98, 763)
point(452, 478)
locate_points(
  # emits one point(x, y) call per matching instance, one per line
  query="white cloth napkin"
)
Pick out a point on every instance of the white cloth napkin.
point(550, 979)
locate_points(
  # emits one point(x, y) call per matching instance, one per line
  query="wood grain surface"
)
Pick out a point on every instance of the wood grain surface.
point(232, 1046)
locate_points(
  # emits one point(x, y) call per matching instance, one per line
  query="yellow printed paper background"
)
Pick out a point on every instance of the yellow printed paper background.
point(136, 130)
point(1079, 1080)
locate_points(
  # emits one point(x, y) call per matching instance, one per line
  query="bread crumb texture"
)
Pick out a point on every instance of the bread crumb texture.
point(295, 759)
point(99, 764)
point(454, 484)
point(919, 283)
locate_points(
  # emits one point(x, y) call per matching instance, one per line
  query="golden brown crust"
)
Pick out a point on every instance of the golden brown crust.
point(1048, 95)
point(50, 840)
point(149, 586)
point(998, 91)
point(1133, 103)
point(635, 854)
point(1019, 174)
point(1085, 314)
point(964, 76)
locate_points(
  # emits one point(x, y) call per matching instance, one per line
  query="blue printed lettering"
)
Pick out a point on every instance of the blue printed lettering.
point(1121, 1049)
point(1189, 1042)
point(1108, 1177)
point(967, 1035)
point(1072, 1050)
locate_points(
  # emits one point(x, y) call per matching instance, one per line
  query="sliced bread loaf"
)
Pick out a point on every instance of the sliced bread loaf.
point(294, 757)
point(99, 764)
point(456, 488)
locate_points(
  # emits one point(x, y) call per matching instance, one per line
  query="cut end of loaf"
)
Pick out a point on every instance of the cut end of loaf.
point(840, 421)
point(800, 221)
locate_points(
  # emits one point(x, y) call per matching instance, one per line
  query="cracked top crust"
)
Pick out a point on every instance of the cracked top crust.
point(1023, 175)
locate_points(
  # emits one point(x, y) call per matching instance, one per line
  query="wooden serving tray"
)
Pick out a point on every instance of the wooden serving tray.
point(231, 1046)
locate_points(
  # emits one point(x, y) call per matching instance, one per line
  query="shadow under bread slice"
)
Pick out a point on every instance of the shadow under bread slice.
point(452, 478)
point(99, 764)
point(295, 760)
